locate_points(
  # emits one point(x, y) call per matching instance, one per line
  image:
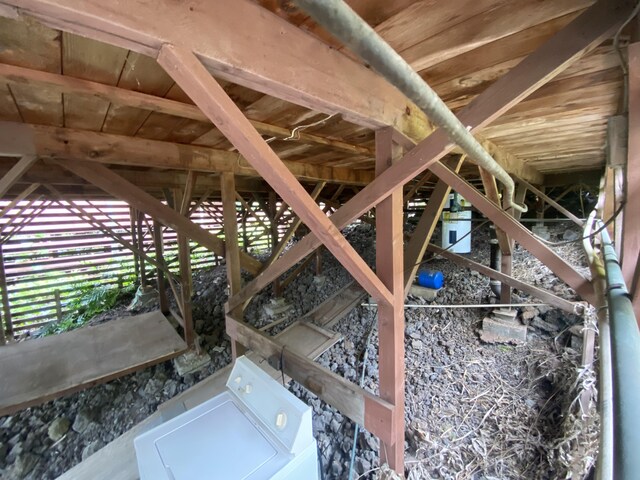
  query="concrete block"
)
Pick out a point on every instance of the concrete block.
point(191, 362)
point(278, 307)
point(495, 330)
point(424, 292)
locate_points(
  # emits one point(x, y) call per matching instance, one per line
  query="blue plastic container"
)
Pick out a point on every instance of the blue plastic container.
point(431, 279)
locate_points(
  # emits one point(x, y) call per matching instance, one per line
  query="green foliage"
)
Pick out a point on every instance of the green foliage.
point(91, 302)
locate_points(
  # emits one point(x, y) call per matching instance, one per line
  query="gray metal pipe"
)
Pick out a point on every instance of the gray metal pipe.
point(625, 349)
point(340, 20)
point(604, 464)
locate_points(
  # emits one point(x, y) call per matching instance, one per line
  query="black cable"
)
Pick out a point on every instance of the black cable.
point(282, 364)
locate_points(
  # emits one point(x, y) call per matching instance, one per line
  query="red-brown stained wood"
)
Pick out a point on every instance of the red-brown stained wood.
point(186, 69)
point(390, 269)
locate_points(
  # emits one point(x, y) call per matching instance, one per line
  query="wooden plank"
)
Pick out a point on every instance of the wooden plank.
point(337, 306)
point(307, 339)
point(585, 32)
point(18, 139)
point(351, 400)
point(88, 59)
point(17, 171)
point(65, 363)
point(332, 83)
point(390, 269)
point(553, 300)
point(191, 75)
point(104, 178)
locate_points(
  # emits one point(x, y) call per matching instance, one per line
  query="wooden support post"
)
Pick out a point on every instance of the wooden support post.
point(6, 306)
point(424, 230)
point(540, 205)
point(56, 296)
point(184, 253)
point(319, 261)
point(631, 226)
point(506, 267)
point(232, 250)
point(133, 216)
point(390, 269)
point(158, 242)
point(140, 236)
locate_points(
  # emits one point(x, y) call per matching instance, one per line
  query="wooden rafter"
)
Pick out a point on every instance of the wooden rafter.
point(12, 176)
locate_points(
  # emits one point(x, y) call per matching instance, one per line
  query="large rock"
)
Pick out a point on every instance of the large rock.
point(83, 420)
point(23, 465)
point(91, 448)
point(58, 428)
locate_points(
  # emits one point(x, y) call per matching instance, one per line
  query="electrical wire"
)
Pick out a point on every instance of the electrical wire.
point(623, 65)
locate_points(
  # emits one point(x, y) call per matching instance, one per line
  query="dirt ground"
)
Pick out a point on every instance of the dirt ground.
point(473, 410)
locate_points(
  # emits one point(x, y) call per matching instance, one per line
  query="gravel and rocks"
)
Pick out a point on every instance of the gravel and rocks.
point(473, 410)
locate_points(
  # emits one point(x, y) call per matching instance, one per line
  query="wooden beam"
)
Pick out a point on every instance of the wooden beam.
point(66, 143)
point(183, 66)
point(110, 182)
point(9, 178)
point(64, 84)
point(581, 35)
point(553, 203)
point(514, 229)
point(184, 255)
point(352, 401)
point(631, 221)
point(421, 237)
point(543, 295)
point(390, 267)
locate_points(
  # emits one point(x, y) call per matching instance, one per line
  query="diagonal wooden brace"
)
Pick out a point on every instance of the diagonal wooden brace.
point(185, 68)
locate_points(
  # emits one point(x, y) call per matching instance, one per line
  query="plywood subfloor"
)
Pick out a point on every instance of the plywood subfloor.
point(38, 370)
